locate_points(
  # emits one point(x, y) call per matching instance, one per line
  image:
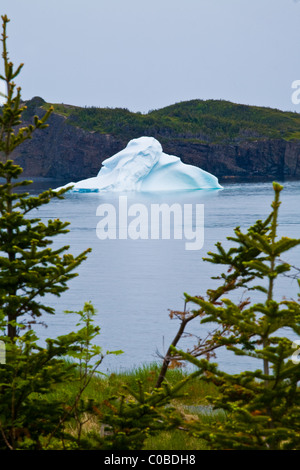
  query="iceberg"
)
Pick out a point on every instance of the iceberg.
point(143, 166)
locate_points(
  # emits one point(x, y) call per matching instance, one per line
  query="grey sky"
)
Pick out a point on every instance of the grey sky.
point(144, 55)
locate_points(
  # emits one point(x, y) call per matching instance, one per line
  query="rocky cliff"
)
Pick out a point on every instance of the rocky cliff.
point(65, 152)
point(71, 151)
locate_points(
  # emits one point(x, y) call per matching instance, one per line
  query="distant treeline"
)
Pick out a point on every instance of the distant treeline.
point(211, 121)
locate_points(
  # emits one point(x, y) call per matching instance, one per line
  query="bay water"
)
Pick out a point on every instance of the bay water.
point(135, 283)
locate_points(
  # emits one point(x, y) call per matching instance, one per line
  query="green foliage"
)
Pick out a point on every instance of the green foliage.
point(32, 416)
point(262, 406)
point(131, 417)
point(196, 121)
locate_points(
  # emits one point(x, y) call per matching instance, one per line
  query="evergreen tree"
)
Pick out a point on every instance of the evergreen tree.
point(262, 407)
point(29, 267)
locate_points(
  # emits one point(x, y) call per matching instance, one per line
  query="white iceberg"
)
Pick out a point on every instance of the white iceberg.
point(143, 166)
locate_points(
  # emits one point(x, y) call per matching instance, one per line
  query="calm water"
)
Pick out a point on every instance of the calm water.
point(134, 283)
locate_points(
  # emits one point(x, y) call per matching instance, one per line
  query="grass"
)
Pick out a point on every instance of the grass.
point(101, 388)
point(175, 440)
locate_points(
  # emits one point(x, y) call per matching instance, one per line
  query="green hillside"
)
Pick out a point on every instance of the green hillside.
point(205, 121)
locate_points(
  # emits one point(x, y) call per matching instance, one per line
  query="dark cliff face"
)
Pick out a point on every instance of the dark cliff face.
point(65, 152)
point(70, 153)
point(244, 161)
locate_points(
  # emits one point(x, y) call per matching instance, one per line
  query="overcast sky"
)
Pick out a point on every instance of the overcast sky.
point(146, 54)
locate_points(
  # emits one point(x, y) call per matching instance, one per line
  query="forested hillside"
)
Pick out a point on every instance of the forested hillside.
point(230, 140)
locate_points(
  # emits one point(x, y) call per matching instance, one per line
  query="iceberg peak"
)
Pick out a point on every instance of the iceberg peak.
point(143, 166)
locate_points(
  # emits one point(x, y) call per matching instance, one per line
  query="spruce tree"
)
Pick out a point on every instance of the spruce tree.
point(30, 418)
point(261, 407)
point(29, 267)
